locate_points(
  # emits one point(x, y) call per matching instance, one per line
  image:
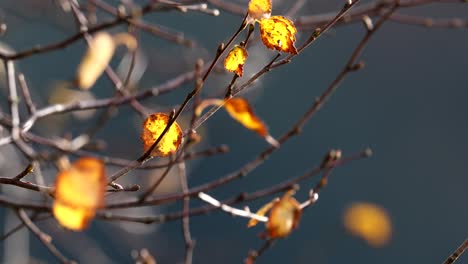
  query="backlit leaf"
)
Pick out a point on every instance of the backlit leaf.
point(240, 110)
point(259, 9)
point(369, 222)
point(235, 60)
point(153, 126)
point(79, 191)
point(278, 33)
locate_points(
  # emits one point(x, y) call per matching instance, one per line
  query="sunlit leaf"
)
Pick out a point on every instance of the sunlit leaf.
point(153, 126)
point(259, 9)
point(369, 222)
point(278, 33)
point(97, 57)
point(240, 110)
point(79, 191)
point(235, 60)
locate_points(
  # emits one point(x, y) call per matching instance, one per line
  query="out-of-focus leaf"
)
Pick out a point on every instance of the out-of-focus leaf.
point(369, 222)
point(259, 9)
point(79, 191)
point(97, 57)
point(62, 94)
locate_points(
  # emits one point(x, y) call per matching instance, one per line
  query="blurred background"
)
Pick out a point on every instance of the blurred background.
point(408, 104)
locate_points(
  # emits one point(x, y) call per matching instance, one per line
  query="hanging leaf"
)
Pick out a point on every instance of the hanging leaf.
point(259, 9)
point(284, 216)
point(79, 191)
point(153, 126)
point(235, 60)
point(278, 33)
point(240, 110)
point(97, 57)
point(369, 222)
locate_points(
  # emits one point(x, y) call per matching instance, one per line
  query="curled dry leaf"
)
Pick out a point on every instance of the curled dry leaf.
point(97, 57)
point(259, 9)
point(278, 33)
point(369, 222)
point(284, 216)
point(79, 191)
point(240, 110)
point(153, 126)
point(235, 60)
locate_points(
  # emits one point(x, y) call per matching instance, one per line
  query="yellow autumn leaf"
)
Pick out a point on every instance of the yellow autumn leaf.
point(278, 33)
point(98, 55)
point(153, 126)
point(369, 222)
point(259, 9)
point(235, 60)
point(79, 191)
point(240, 110)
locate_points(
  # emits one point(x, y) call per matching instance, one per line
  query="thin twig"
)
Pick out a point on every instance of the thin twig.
point(35, 217)
point(457, 253)
point(254, 254)
point(25, 172)
point(43, 237)
point(229, 209)
point(26, 94)
point(240, 198)
point(189, 241)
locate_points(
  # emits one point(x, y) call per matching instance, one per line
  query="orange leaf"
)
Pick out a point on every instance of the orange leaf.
point(153, 126)
point(278, 33)
point(235, 60)
point(370, 222)
point(284, 216)
point(240, 110)
point(259, 9)
point(79, 191)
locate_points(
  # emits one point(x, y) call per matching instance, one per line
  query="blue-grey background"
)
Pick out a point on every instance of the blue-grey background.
point(408, 105)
